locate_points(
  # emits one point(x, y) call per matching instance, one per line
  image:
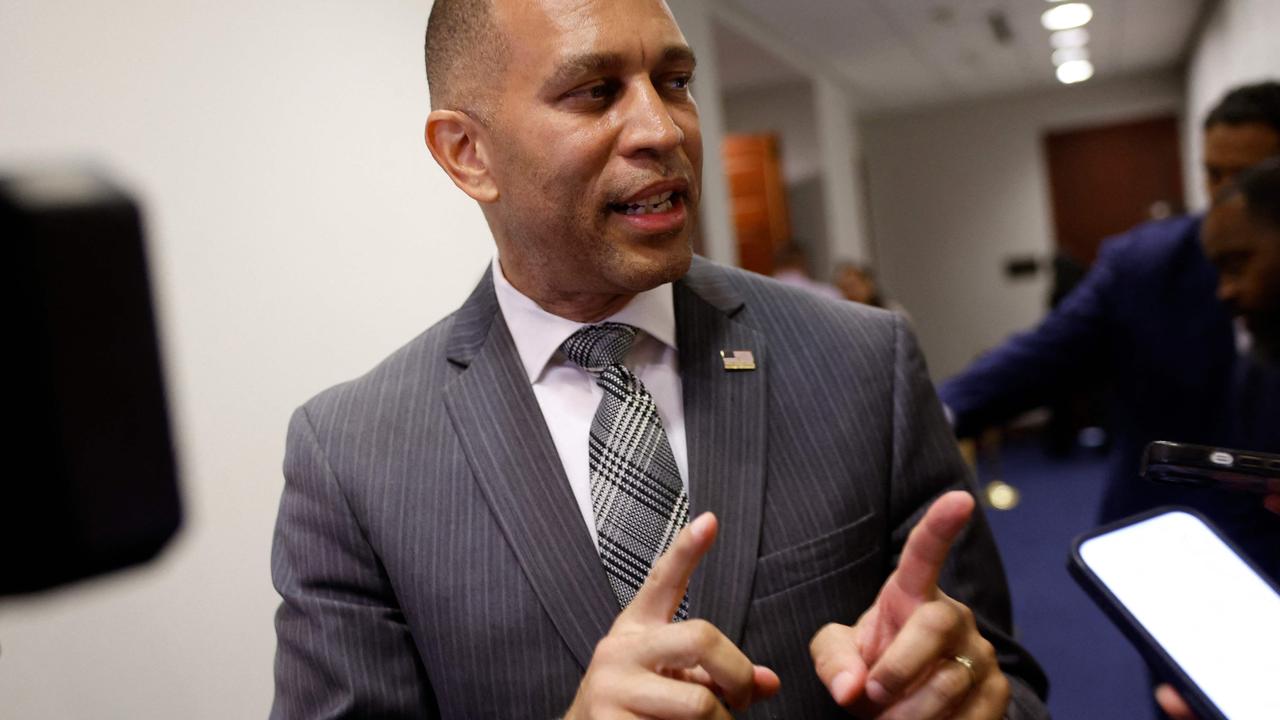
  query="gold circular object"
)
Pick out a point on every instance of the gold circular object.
point(967, 662)
point(1002, 496)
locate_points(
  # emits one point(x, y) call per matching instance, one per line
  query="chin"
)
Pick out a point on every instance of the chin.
point(641, 271)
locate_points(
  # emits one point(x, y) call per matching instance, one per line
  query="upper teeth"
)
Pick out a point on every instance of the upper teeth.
point(654, 203)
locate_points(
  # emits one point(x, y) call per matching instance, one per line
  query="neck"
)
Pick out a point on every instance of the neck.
point(583, 307)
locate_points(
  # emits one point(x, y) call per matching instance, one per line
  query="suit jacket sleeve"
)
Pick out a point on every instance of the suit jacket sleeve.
point(344, 649)
point(926, 463)
point(1068, 347)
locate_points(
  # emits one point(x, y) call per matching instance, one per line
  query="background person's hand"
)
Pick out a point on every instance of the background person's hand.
point(648, 666)
point(899, 660)
point(1172, 703)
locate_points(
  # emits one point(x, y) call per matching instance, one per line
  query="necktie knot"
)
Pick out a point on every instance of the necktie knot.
point(595, 347)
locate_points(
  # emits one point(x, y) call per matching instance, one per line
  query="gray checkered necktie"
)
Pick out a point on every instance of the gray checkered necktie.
point(636, 494)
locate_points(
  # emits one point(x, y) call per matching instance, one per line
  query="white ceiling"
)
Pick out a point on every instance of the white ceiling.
point(897, 54)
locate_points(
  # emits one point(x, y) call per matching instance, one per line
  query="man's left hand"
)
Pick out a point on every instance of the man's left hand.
point(916, 653)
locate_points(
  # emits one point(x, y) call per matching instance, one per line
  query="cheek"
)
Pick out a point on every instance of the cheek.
point(693, 143)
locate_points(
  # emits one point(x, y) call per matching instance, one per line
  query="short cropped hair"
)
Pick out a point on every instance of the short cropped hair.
point(1257, 103)
point(465, 51)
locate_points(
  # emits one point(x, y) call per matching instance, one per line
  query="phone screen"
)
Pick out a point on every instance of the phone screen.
point(1212, 614)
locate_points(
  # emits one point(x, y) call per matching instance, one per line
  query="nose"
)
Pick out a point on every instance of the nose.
point(648, 125)
point(1227, 292)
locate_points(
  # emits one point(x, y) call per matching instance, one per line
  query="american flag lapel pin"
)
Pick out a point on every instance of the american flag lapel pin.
point(738, 359)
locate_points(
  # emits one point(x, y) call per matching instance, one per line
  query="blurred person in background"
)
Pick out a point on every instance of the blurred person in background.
point(791, 266)
point(1149, 319)
point(857, 282)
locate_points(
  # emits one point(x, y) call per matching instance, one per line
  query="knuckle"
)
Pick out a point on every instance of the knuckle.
point(939, 617)
point(701, 702)
point(703, 633)
point(815, 642)
point(892, 675)
point(987, 653)
point(826, 635)
point(606, 648)
point(613, 648)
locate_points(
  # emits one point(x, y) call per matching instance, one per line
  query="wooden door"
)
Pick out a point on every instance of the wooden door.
point(758, 198)
point(1105, 180)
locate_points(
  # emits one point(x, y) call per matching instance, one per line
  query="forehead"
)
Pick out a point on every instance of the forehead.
point(1240, 145)
point(544, 34)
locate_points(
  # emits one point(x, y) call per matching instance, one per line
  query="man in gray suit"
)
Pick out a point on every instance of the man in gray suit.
point(467, 531)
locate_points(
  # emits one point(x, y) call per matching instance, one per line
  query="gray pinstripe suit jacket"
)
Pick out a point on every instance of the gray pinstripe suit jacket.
point(433, 563)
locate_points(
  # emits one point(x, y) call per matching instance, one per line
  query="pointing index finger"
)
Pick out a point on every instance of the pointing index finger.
point(657, 600)
point(929, 543)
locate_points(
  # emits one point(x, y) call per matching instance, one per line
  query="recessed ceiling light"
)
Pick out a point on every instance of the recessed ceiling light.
point(1074, 37)
point(1066, 16)
point(1067, 54)
point(1074, 71)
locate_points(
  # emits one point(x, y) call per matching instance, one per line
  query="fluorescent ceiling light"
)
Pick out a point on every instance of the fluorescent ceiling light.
point(1066, 16)
point(1074, 71)
point(1075, 37)
point(1068, 54)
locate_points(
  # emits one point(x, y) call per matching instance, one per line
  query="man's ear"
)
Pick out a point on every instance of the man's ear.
point(460, 145)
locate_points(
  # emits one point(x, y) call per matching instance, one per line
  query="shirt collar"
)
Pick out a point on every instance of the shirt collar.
point(538, 334)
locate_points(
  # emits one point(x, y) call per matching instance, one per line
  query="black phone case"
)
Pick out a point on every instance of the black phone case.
point(1211, 467)
point(1151, 651)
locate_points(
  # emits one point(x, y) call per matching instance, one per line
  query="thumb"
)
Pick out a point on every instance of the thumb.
point(838, 662)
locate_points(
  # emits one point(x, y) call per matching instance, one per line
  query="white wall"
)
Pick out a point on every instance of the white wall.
point(787, 110)
point(957, 189)
point(696, 20)
point(299, 232)
point(1237, 46)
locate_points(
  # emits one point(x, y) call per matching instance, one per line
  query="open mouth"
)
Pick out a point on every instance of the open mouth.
point(663, 202)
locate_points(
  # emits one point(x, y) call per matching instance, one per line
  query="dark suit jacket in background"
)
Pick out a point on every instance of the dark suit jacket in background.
point(433, 562)
point(1147, 321)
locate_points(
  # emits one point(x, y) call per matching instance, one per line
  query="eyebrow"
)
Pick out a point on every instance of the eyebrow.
point(603, 63)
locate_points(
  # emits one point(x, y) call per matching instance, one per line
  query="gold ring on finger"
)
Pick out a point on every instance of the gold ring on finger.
point(967, 663)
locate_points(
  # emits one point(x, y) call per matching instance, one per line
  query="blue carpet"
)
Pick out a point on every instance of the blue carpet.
point(1094, 673)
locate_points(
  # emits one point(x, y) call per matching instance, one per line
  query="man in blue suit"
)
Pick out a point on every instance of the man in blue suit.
point(1147, 319)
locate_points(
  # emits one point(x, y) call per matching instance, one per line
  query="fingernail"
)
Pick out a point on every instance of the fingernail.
point(842, 687)
point(877, 692)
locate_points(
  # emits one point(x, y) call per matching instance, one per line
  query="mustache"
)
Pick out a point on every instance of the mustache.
point(625, 188)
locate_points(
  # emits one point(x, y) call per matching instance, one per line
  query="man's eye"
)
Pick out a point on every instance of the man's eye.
point(680, 82)
point(594, 92)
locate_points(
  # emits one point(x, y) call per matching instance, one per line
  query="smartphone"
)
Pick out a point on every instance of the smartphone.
point(1204, 466)
point(1201, 614)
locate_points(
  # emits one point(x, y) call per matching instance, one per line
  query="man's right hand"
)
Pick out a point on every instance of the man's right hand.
point(648, 666)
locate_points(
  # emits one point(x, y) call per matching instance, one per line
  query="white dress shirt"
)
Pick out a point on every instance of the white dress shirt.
point(569, 396)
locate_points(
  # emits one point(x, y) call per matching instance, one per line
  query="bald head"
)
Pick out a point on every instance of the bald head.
point(466, 49)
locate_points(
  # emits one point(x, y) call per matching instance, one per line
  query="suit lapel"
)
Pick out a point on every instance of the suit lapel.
point(502, 431)
point(726, 432)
